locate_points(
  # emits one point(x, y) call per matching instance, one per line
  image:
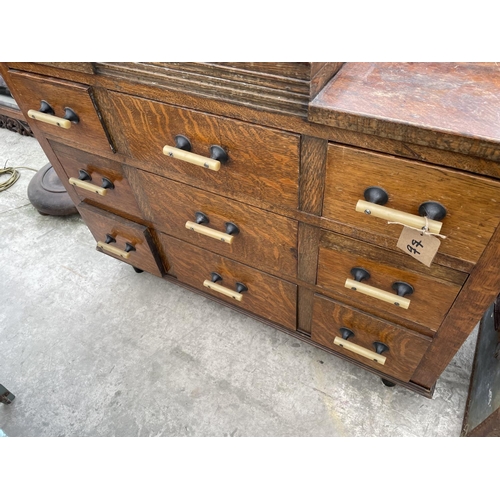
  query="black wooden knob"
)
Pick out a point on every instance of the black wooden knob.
point(217, 153)
point(240, 287)
point(380, 347)
point(432, 210)
point(109, 239)
point(70, 115)
point(232, 228)
point(129, 247)
point(182, 142)
point(375, 194)
point(107, 184)
point(215, 277)
point(402, 288)
point(83, 175)
point(360, 274)
point(45, 107)
point(346, 333)
point(201, 218)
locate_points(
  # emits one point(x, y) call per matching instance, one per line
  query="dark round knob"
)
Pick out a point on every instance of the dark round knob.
point(217, 153)
point(70, 115)
point(107, 184)
point(375, 194)
point(45, 107)
point(182, 142)
point(240, 287)
point(402, 288)
point(215, 277)
point(346, 333)
point(232, 228)
point(380, 347)
point(360, 274)
point(83, 175)
point(109, 239)
point(201, 218)
point(137, 270)
point(129, 247)
point(432, 210)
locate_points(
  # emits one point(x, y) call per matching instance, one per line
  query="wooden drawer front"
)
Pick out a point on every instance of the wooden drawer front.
point(263, 164)
point(30, 90)
point(269, 297)
point(265, 240)
point(120, 198)
point(472, 203)
point(431, 299)
point(102, 223)
point(406, 348)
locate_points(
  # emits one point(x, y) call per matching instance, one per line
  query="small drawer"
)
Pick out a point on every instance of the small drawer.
point(62, 109)
point(372, 277)
point(376, 343)
point(472, 204)
point(98, 179)
point(260, 293)
point(255, 237)
point(122, 239)
point(261, 164)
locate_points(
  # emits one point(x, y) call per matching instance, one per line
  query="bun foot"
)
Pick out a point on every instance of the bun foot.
point(387, 383)
point(137, 270)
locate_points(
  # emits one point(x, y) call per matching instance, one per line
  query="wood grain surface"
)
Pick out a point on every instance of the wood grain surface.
point(472, 203)
point(267, 296)
point(313, 153)
point(101, 223)
point(266, 241)
point(263, 163)
point(405, 347)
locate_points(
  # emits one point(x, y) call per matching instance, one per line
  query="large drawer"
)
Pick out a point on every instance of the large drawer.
point(122, 239)
point(263, 164)
point(86, 129)
point(433, 292)
point(266, 296)
point(105, 181)
point(244, 233)
point(345, 330)
point(472, 203)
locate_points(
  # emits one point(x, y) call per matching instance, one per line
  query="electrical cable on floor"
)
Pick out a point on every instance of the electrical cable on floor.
point(14, 175)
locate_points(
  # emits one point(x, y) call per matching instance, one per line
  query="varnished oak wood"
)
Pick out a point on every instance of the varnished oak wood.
point(312, 174)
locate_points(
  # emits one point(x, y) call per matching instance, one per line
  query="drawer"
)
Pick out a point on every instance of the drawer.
point(142, 255)
point(117, 195)
point(256, 237)
point(433, 292)
point(267, 296)
point(263, 164)
point(345, 330)
point(472, 204)
point(85, 125)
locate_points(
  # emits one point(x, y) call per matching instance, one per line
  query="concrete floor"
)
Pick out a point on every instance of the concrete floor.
point(91, 348)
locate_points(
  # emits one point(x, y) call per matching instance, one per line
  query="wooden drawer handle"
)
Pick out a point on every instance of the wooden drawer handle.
point(46, 114)
point(231, 229)
point(401, 288)
point(83, 182)
point(376, 197)
point(236, 295)
point(362, 351)
point(105, 245)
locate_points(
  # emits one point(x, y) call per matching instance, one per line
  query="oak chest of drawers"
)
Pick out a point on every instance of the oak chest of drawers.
point(244, 182)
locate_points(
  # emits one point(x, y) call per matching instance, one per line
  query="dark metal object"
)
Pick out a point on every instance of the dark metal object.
point(217, 153)
point(232, 228)
point(46, 108)
point(432, 210)
point(360, 274)
point(107, 184)
point(346, 333)
point(109, 239)
point(375, 194)
point(240, 287)
point(6, 397)
point(201, 218)
point(380, 347)
point(70, 115)
point(387, 383)
point(182, 142)
point(129, 247)
point(482, 411)
point(402, 288)
point(83, 175)
point(215, 277)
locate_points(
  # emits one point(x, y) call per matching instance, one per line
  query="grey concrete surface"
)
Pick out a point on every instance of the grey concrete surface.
point(91, 348)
